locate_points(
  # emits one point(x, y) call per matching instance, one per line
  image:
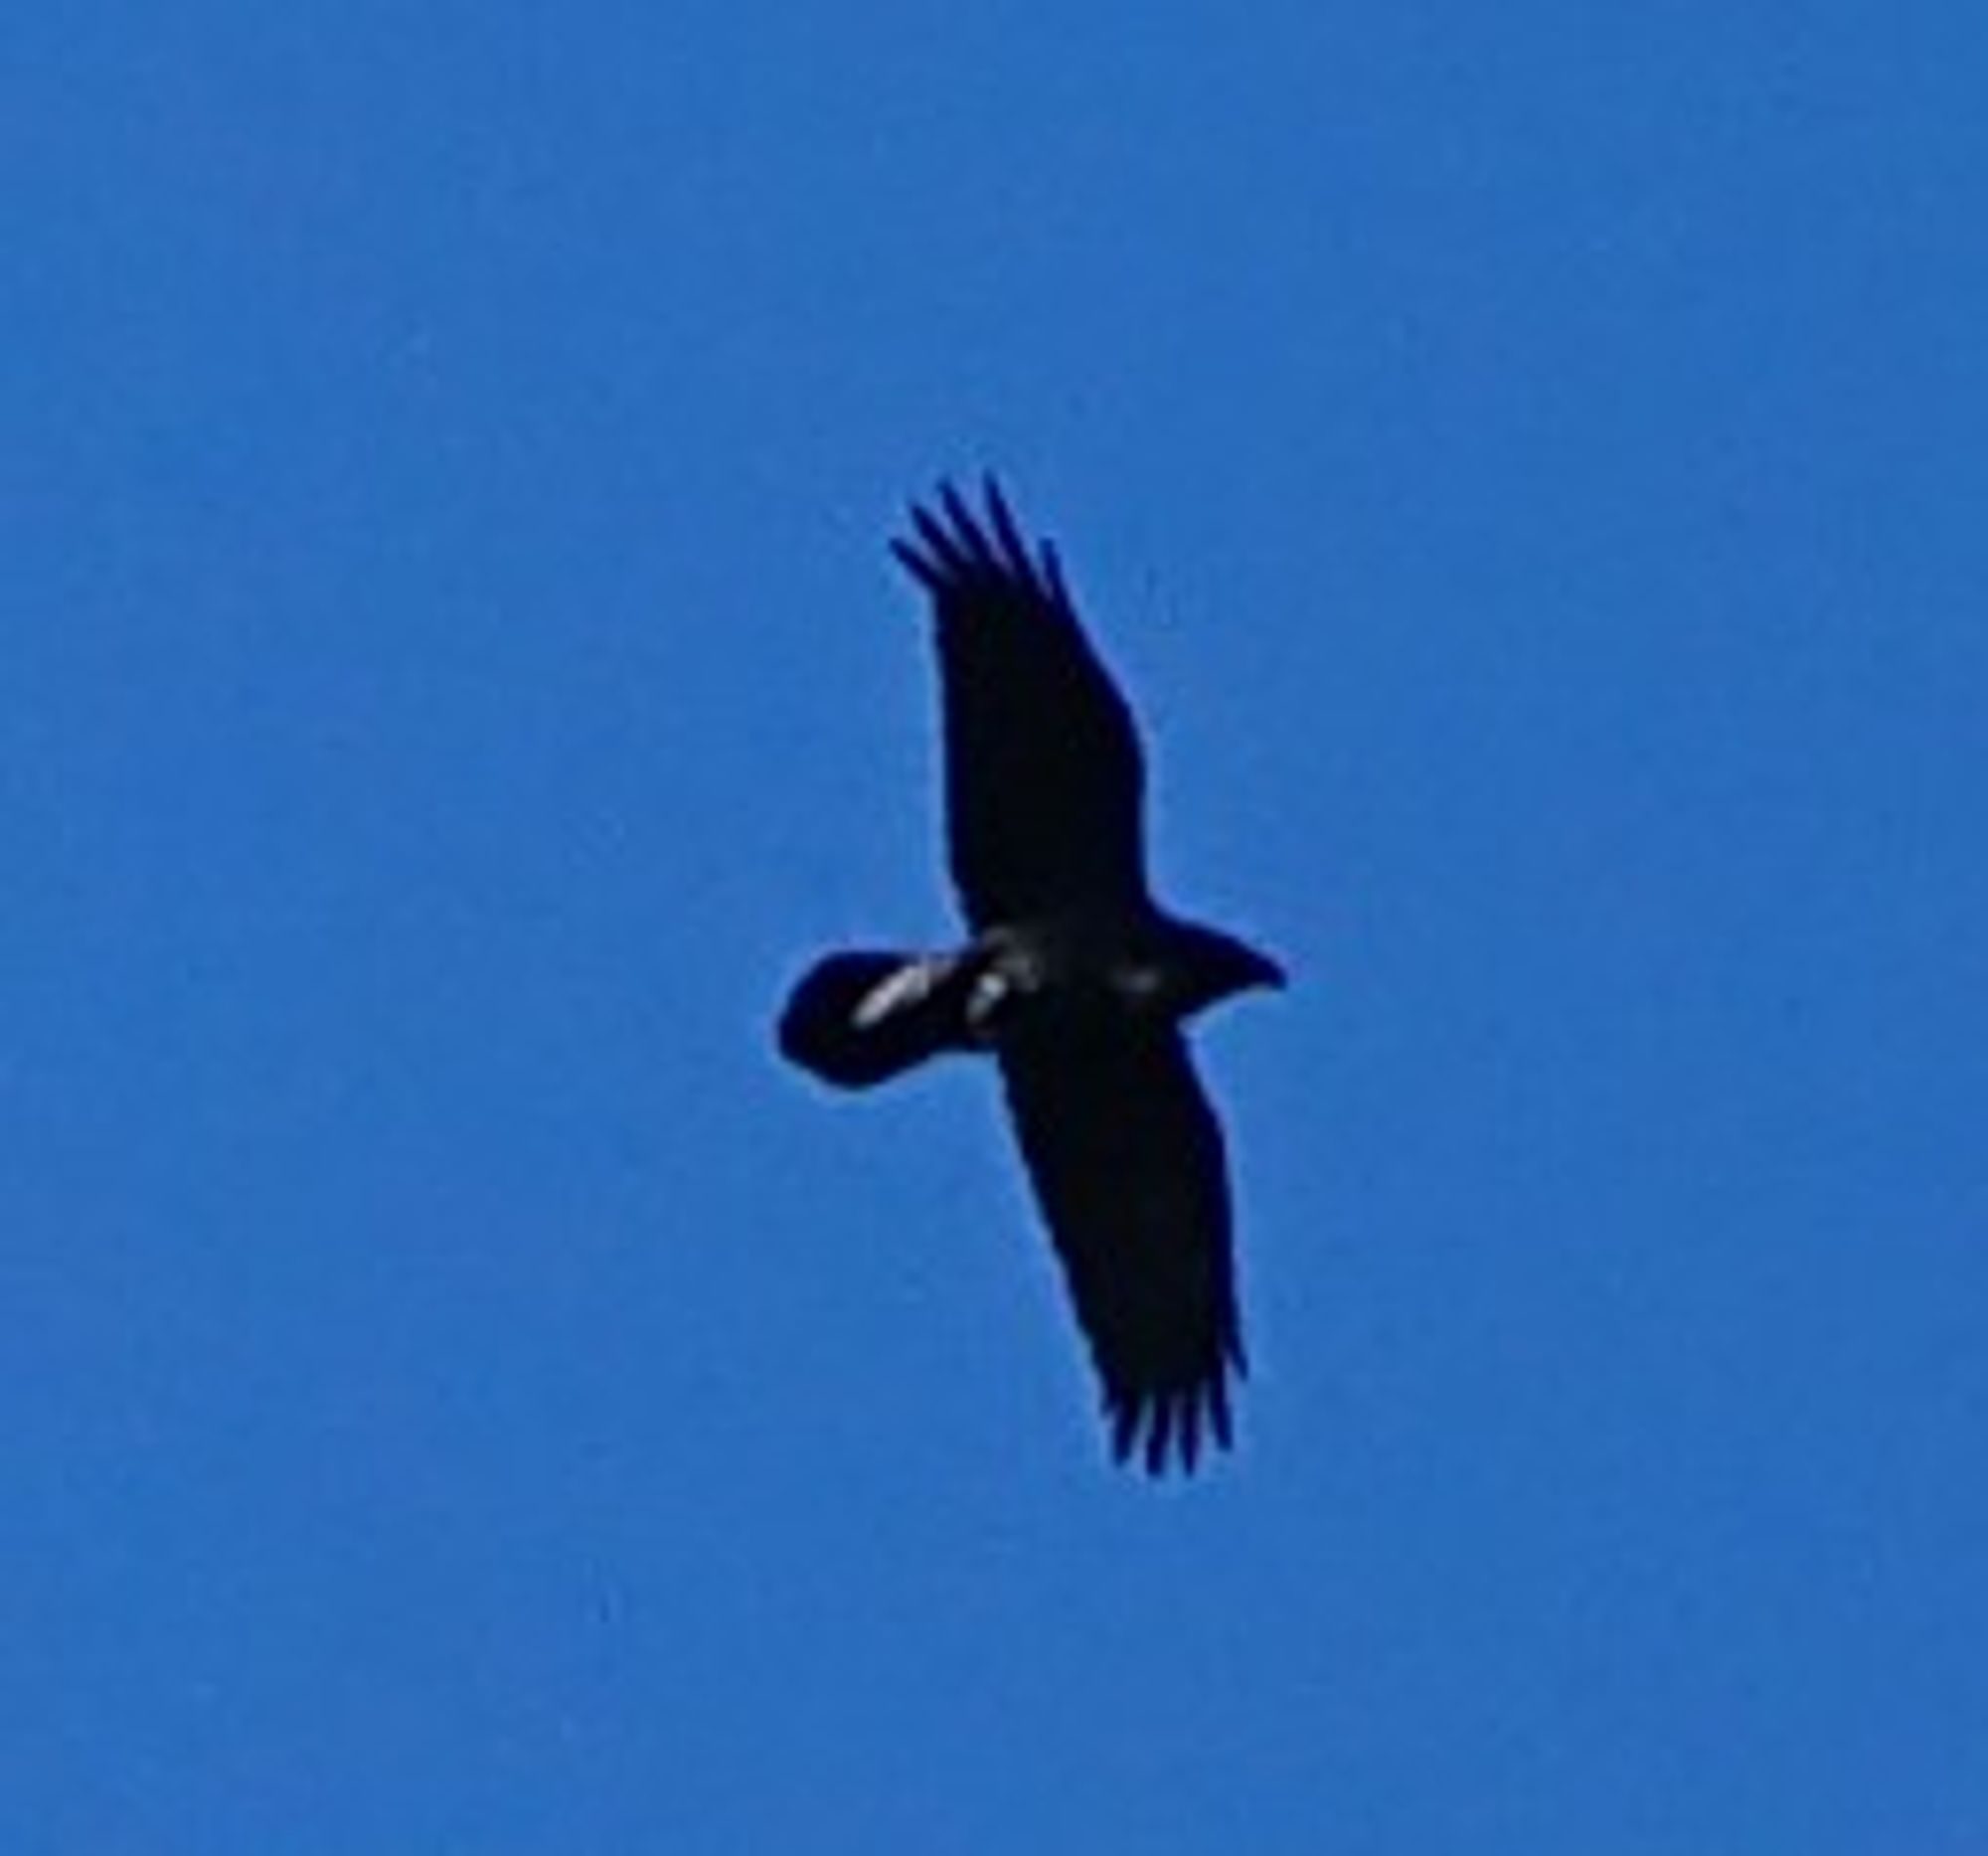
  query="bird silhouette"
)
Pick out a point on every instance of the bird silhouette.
point(1073, 979)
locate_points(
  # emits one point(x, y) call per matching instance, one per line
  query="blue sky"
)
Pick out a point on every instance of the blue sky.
point(462, 1395)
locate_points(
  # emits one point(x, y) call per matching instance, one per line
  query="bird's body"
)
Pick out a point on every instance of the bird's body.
point(1075, 980)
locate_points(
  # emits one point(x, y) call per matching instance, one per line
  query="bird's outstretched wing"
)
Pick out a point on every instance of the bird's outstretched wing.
point(1127, 1159)
point(1043, 772)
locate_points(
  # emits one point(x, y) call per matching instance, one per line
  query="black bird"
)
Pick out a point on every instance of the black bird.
point(1074, 977)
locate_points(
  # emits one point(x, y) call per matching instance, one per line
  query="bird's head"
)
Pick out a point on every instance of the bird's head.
point(1211, 967)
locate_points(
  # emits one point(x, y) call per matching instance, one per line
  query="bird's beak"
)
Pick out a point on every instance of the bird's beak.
point(1267, 973)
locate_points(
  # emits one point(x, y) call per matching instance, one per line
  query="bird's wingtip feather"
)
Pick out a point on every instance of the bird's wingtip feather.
point(954, 540)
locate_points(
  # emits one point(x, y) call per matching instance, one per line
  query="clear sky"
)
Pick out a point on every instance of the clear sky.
point(1529, 465)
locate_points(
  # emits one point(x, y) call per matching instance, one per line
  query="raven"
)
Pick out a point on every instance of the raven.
point(1074, 978)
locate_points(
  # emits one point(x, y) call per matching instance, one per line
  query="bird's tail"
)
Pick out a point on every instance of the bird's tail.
point(859, 1018)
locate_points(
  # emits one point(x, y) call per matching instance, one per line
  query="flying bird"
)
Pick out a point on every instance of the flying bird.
point(1073, 979)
